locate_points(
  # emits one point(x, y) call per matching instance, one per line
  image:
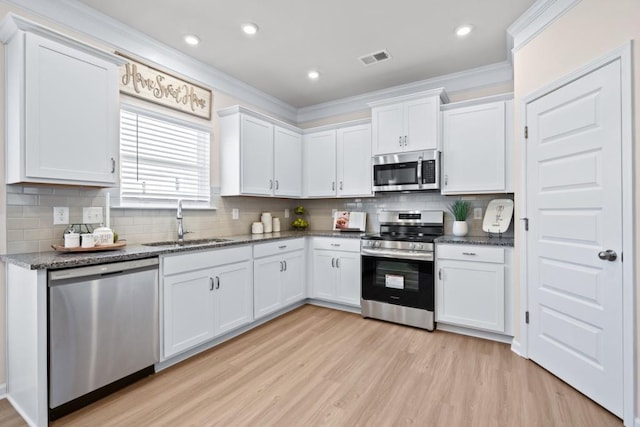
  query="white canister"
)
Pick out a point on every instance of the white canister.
point(103, 236)
point(87, 240)
point(71, 240)
point(276, 225)
point(257, 228)
point(267, 222)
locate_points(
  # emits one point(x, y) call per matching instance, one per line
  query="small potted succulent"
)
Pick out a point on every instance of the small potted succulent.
point(460, 209)
point(300, 223)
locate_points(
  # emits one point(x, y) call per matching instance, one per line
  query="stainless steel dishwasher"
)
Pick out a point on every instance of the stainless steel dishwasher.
point(103, 330)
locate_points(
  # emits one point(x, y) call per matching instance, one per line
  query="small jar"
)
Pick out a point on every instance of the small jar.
point(71, 240)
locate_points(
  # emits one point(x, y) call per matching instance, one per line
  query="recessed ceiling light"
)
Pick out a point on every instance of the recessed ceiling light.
point(250, 28)
point(191, 39)
point(463, 30)
point(313, 75)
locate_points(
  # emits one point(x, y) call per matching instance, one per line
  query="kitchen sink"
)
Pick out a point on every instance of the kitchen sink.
point(194, 242)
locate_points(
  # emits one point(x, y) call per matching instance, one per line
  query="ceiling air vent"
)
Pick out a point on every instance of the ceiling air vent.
point(375, 57)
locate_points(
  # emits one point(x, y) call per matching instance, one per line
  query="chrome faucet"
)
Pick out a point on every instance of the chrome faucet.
point(179, 218)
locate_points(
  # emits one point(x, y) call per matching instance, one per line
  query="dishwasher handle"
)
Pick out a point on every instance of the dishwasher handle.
point(112, 269)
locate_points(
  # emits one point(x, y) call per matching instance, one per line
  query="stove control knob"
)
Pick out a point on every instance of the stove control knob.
point(377, 244)
point(412, 245)
point(419, 246)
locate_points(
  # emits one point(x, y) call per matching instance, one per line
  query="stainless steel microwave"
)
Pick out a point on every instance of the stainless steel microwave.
point(415, 171)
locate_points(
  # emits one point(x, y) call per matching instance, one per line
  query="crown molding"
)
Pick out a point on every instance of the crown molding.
point(534, 20)
point(464, 80)
point(102, 28)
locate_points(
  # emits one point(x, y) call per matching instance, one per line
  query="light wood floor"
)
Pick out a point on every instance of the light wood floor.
point(316, 366)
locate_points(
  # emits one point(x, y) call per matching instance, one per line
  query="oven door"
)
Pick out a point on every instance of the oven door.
point(405, 282)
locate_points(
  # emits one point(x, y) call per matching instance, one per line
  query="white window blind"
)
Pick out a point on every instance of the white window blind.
point(162, 160)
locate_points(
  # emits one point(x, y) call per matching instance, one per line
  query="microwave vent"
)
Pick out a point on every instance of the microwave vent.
point(375, 57)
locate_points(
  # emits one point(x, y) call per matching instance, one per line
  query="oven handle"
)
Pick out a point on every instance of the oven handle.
point(418, 256)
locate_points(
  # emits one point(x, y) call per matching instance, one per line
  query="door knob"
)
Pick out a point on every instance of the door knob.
point(608, 255)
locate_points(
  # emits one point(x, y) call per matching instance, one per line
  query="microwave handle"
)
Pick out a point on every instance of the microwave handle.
point(419, 172)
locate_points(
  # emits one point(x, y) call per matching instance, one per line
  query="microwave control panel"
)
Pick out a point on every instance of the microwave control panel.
point(429, 171)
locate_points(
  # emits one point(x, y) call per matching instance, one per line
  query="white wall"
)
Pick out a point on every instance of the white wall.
point(586, 32)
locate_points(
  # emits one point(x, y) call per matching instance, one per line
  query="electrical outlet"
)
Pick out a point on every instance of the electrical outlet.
point(235, 213)
point(477, 213)
point(92, 215)
point(60, 215)
point(286, 213)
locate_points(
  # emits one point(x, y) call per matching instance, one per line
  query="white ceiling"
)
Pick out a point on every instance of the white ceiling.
point(328, 35)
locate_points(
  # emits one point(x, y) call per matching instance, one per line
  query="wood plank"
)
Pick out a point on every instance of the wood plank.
point(317, 366)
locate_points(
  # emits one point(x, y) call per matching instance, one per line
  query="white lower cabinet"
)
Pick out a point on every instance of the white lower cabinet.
point(278, 275)
point(205, 294)
point(473, 288)
point(336, 270)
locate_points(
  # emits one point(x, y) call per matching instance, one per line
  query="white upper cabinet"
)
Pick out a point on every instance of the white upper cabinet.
point(476, 148)
point(337, 162)
point(259, 156)
point(62, 108)
point(407, 123)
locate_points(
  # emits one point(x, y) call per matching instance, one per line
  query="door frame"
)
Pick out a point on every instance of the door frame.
point(624, 55)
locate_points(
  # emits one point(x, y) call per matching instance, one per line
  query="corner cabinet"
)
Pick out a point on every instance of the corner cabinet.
point(476, 147)
point(62, 108)
point(336, 270)
point(407, 123)
point(278, 275)
point(205, 294)
point(337, 162)
point(473, 287)
point(259, 156)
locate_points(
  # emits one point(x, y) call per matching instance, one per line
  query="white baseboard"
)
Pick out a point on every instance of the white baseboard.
point(507, 339)
point(21, 412)
point(3, 391)
point(515, 347)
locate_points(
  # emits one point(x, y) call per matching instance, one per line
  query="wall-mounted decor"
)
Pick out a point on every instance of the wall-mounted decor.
point(142, 81)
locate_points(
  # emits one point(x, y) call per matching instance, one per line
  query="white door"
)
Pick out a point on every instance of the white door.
point(387, 129)
point(256, 156)
point(320, 163)
point(575, 208)
point(348, 280)
point(267, 276)
point(324, 275)
point(421, 118)
point(233, 296)
point(354, 161)
point(288, 167)
point(292, 285)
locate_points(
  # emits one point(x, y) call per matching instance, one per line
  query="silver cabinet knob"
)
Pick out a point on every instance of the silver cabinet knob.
point(608, 255)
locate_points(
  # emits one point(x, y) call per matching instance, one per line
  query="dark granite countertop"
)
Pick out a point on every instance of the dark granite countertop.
point(56, 260)
point(476, 240)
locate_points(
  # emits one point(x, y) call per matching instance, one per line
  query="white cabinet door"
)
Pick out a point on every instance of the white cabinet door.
point(473, 149)
point(324, 274)
point(348, 278)
point(188, 310)
point(421, 119)
point(266, 285)
point(293, 279)
point(256, 156)
point(234, 296)
point(320, 163)
point(471, 294)
point(387, 129)
point(71, 115)
point(288, 163)
point(354, 161)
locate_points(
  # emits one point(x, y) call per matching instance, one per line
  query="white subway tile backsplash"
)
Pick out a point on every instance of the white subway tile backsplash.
point(53, 201)
point(23, 223)
point(22, 199)
point(37, 190)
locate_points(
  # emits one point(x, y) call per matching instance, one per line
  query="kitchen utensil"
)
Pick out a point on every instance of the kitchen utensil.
point(497, 217)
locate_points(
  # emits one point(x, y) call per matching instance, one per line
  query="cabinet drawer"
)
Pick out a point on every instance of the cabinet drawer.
point(470, 253)
point(173, 264)
point(337, 244)
point(279, 246)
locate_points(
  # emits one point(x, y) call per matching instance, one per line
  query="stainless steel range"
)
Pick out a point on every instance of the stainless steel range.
point(398, 268)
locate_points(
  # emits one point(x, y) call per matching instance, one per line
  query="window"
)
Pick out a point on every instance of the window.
point(162, 159)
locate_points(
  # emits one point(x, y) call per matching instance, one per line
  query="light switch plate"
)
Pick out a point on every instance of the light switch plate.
point(235, 213)
point(92, 215)
point(286, 213)
point(477, 213)
point(60, 215)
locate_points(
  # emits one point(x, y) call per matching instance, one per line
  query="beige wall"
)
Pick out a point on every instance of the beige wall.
point(588, 31)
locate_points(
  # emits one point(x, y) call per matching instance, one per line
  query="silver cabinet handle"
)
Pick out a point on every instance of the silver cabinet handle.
point(440, 274)
point(337, 262)
point(270, 184)
point(405, 140)
point(446, 180)
point(333, 186)
point(217, 282)
point(608, 255)
point(281, 267)
point(340, 185)
point(277, 184)
point(469, 253)
point(419, 172)
point(400, 141)
point(210, 283)
point(282, 246)
point(113, 165)
point(285, 265)
point(333, 262)
point(336, 245)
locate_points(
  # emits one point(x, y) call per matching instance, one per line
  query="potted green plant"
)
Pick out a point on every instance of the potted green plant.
point(460, 209)
point(300, 223)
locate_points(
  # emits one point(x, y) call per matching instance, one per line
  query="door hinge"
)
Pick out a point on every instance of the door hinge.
point(526, 223)
point(526, 132)
point(526, 317)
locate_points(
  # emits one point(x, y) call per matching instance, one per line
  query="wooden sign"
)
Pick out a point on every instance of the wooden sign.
point(147, 83)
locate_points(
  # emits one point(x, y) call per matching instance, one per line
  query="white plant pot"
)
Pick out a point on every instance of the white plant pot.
point(460, 228)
